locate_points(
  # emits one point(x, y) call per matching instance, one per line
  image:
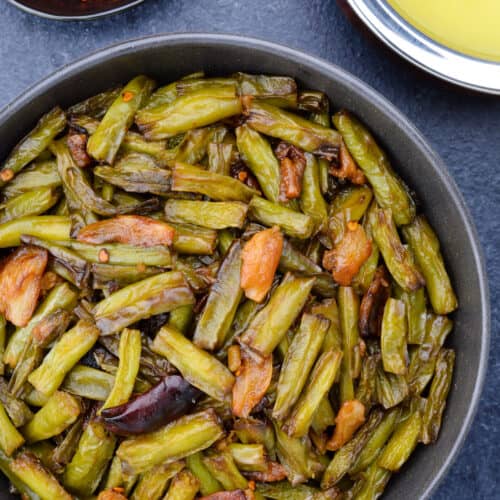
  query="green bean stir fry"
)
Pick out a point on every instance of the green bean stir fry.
point(214, 289)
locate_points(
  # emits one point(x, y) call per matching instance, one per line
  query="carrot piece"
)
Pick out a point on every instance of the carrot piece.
point(260, 258)
point(134, 230)
point(21, 283)
point(348, 420)
point(349, 254)
point(252, 381)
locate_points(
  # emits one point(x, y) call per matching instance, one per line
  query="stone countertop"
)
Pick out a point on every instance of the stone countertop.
point(462, 126)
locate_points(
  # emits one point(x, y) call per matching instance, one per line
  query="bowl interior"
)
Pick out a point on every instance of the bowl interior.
point(171, 56)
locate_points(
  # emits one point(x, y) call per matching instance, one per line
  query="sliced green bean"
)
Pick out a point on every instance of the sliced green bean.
point(184, 486)
point(40, 175)
point(299, 360)
point(276, 90)
point(197, 366)
point(27, 204)
point(376, 479)
point(180, 319)
point(209, 214)
point(312, 202)
point(128, 367)
point(223, 300)
point(48, 127)
point(249, 457)
point(104, 143)
point(155, 295)
point(208, 483)
point(193, 147)
point(425, 246)
point(416, 313)
point(258, 155)
point(321, 380)
point(223, 468)
point(95, 449)
point(217, 187)
point(397, 257)
point(117, 478)
point(195, 109)
point(436, 401)
point(294, 224)
point(194, 240)
point(390, 191)
point(153, 483)
point(96, 105)
point(183, 437)
point(60, 411)
point(10, 438)
point(16, 409)
point(309, 136)
point(272, 322)
point(63, 357)
point(393, 337)
point(391, 389)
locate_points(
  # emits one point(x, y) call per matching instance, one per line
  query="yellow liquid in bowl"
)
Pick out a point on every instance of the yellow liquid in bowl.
point(468, 26)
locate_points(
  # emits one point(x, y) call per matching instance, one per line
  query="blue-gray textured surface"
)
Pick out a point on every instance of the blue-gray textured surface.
point(462, 126)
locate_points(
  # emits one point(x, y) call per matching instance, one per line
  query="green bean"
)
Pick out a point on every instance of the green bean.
point(60, 297)
point(162, 95)
point(184, 486)
point(393, 337)
point(29, 469)
point(117, 478)
point(423, 360)
point(10, 437)
point(97, 105)
point(38, 176)
point(30, 358)
point(16, 409)
point(272, 322)
point(104, 143)
point(180, 319)
point(397, 257)
point(376, 479)
point(402, 443)
point(324, 416)
point(136, 173)
point(194, 240)
point(376, 441)
point(391, 389)
point(298, 362)
point(16, 482)
point(224, 239)
point(416, 314)
point(436, 401)
point(63, 357)
point(79, 193)
point(209, 214)
point(296, 457)
point(193, 147)
point(106, 276)
point(283, 490)
point(346, 456)
point(215, 186)
point(63, 453)
point(27, 204)
point(321, 379)
point(95, 449)
point(48, 127)
point(135, 143)
point(366, 391)
point(309, 136)
point(294, 224)
point(182, 437)
point(35, 398)
point(425, 246)
point(223, 468)
point(258, 155)
point(209, 86)
point(312, 202)
point(223, 300)
point(208, 483)
point(128, 367)
point(197, 366)
point(143, 299)
point(329, 309)
point(349, 314)
point(153, 483)
point(119, 254)
point(195, 109)
point(48, 227)
point(251, 430)
point(88, 383)
point(249, 457)
point(276, 90)
point(60, 411)
point(220, 157)
point(390, 191)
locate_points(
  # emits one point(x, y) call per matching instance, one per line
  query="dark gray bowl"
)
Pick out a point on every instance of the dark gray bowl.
point(168, 57)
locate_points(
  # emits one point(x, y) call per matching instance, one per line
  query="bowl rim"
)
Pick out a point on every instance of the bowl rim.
point(379, 101)
point(419, 49)
point(108, 11)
